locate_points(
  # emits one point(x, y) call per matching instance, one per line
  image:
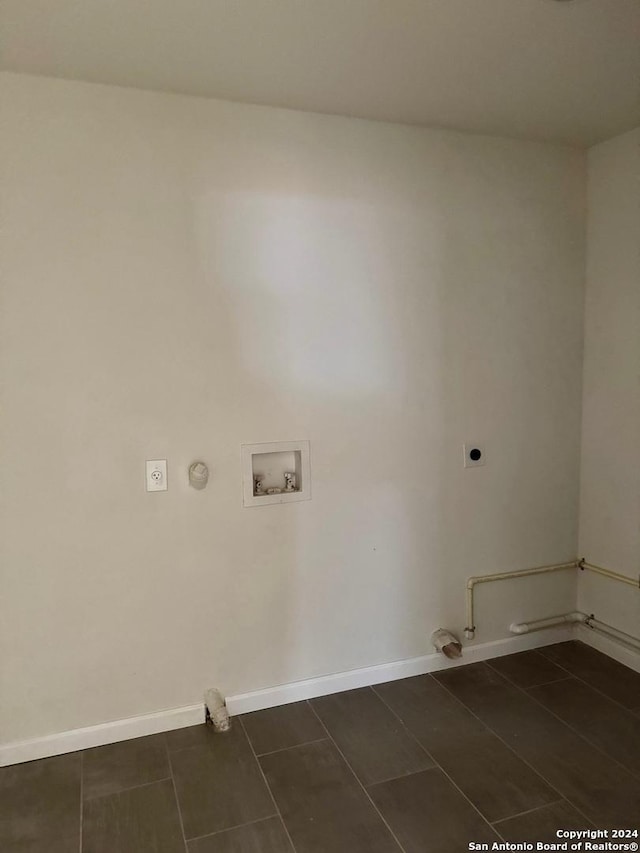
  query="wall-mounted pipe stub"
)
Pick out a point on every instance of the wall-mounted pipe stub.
point(615, 634)
point(198, 475)
point(551, 622)
point(607, 573)
point(577, 618)
point(470, 629)
point(565, 618)
point(447, 643)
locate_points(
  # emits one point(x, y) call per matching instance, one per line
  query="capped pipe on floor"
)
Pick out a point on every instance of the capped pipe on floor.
point(217, 713)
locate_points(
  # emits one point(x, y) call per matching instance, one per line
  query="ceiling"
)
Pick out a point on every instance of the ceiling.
point(540, 69)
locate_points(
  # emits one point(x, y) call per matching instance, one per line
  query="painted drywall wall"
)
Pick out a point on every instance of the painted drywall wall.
point(183, 276)
point(610, 471)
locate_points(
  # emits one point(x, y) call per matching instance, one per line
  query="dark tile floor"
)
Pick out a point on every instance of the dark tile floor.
point(511, 750)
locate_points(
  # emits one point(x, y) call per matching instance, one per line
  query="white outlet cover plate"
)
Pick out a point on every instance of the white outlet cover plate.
point(474, 463)
point(156, 471)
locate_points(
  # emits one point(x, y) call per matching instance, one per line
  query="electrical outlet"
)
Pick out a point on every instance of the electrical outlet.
point(156, 475)
point(474, 455)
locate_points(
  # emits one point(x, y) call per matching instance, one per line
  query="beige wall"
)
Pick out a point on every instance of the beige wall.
point(184, 275)
point(610, 487)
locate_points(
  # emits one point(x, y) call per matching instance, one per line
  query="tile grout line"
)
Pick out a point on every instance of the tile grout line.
point(568, 725)
point(541, 652)
point(528, 811)
point(602, 693)
point(81, 794)
point(530, 766)
point(437, 765)
point(572, 675)
point(175, 793)
point(584, 681)
point(235, 826)
point(404, 775)
point(262, 773)
point(126, 790)
point(355, 776)
point(410, 735)
point(285, 748)
point(566, 677)
point(544, 683)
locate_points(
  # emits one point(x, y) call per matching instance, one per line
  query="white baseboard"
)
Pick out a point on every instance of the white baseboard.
point(112, 732)
point(283, 694)
point(609, 647)
point(296, 691)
